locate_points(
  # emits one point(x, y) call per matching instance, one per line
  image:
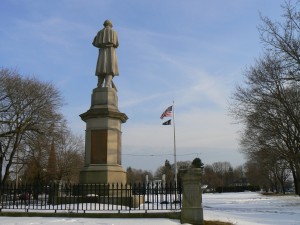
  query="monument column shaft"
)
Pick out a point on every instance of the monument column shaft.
point(103, 139)
point(104, 146)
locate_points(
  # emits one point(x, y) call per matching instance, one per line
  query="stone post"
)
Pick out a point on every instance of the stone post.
point(192, 211)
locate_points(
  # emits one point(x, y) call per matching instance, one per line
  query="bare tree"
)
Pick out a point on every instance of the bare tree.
point(69, 155)
point(268, 171)
point(137, 176)
point(281, 38)
point(269, 108)
point(167, 170)
point(222, 174)
point(211, 178)
point(257, 175)
point(57, 157)
point(268, 103)
point(34, 165)
point(28, 108)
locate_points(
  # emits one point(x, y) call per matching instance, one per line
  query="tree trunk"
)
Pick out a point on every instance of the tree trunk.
point(296, 177)
point(1, 164)
point(297, 181)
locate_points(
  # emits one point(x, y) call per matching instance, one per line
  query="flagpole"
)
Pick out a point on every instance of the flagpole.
point(175, 162)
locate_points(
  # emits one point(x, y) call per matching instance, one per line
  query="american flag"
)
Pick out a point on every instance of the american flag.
point(167, 112)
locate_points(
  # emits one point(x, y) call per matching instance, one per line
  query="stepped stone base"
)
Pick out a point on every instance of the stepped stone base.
point(102, 174)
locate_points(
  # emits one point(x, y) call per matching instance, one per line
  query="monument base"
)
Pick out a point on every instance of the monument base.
point(192, 215)
point(102, 174)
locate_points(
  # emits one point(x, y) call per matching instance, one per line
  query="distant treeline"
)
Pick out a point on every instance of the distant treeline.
point(237, 188)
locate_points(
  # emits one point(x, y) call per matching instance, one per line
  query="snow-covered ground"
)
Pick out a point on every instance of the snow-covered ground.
point(83, 221)
point(249, 208)
point(246, 208)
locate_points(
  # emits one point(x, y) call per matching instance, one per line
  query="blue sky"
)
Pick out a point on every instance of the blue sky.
point(193, 52)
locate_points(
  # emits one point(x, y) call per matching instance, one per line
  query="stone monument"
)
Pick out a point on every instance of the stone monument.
point(103, 119)
point(192, 210)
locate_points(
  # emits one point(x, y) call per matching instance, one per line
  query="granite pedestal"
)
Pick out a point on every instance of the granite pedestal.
point(103, 139)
